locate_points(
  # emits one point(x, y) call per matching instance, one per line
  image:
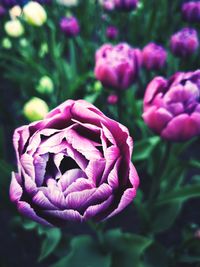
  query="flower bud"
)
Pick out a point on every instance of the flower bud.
point(184, 42)
point(34, 14)
point(23, 42)
point(45, 85)
point(44, 49)
point(2, 11)
point(126, 5)
point(6, 43)
point(112, 32)
point(191, 11)
point(117, 66)
point(35, 109)
point(97, 86)
point(70, 26)
point(154, 56)
point(14, 28)
point(15, 12)
point(112, 99)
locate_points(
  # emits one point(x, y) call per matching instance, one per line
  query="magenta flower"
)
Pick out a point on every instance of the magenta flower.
point(112, 99)
point(70, 26)
point(74, 165)
point(172, 108)
point(184, 42)
point(126, 5)
point(108, 5)
point(112, 32)
point(154, 56)
point(117, 66)
point(191, 11)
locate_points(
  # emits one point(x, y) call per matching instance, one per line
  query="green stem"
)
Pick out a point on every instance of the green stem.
point(160, 172)
point(119, 105)
point(98, 229)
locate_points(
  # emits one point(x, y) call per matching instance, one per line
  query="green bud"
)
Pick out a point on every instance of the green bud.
point(23, 42)
point(43, 50)
point(6, 43)
point(35, 109)
point(45, 85)
point(97, 86)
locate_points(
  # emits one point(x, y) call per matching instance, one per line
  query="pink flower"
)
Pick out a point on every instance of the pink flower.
point(154, 56)
point(191, 11)
point(112, 32)
point(70, 26)
point(117, 66)
point(112, 99)
point(172, 107)
point(184, 42)
point(75, 165)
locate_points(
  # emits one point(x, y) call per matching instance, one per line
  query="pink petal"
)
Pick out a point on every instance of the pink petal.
point(15, 188)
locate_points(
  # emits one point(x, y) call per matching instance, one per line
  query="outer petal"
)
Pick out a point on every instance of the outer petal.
point(15, 188)
point(157, 119)
point(26, 210)
point(182, 127)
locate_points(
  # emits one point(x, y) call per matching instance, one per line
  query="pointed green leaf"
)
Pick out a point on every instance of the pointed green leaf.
point(50, 242)
point(85, 252)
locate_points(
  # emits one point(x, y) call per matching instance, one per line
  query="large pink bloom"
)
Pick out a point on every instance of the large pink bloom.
point(172, 107)
point(74, 165)
point(117, 66)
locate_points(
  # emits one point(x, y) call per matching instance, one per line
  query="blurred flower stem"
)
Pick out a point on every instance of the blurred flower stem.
point(98, 228)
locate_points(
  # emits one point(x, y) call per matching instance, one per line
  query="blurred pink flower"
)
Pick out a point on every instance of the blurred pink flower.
point(117, 66)
point(185, 42)
point(172, 107)
point(154, 56)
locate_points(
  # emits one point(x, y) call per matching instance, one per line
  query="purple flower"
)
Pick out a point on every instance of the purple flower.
point(184, 42)
point(74, 165)
point(112, 32)
point(191, 11)
point(9, 3)
point(172, 107)
point(126, 5)
point(154, 56)
point(2, 11)
point(117, 66)
point(70, 26)
point(112, 99)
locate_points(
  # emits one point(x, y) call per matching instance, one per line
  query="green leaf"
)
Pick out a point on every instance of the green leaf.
point(29, 225)
point(156, 256)
point(144, 148)
point(50, 242)
point(92, 97)
point(189, 259)
point(180, 195)
point(126, 248)
point(85, 252)
point(194, 163)
point(163, 216)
